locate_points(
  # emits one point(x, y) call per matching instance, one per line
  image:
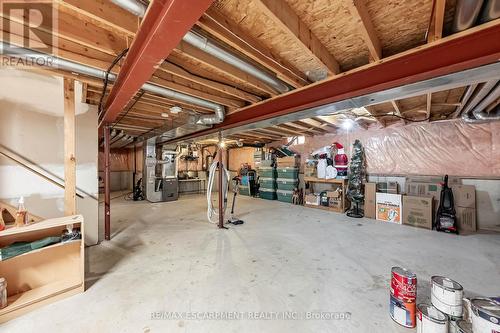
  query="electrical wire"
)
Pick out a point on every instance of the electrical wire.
point(401, 117)
point(106, 77)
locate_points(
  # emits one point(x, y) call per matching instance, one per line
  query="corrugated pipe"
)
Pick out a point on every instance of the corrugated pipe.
point(490, 93)
point(138, 8)
point(46, 60)
point(466, 14)
point(491, 11)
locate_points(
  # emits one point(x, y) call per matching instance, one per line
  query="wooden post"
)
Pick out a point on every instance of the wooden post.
point(69, 148)
point(107, 192)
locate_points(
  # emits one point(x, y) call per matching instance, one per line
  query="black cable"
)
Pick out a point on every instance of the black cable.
point(106, 77)
point(401, 117)
point(130, 108)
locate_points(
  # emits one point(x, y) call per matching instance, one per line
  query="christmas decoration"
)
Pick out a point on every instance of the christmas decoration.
point(356, 177)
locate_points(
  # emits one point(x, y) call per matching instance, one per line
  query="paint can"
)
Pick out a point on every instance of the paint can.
point(446, 296)
point(402, 312)
point(485, 315)
point(431, 320)
point(403, 284)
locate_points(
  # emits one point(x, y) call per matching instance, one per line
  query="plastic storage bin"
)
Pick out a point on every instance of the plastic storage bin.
point(267, 193)
point(268, 183)
point(267, 172)
point(290, 173)
point(244, 190)
point(284, 196)
point(287, 184)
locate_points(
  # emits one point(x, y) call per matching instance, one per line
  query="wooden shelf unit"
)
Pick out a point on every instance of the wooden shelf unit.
point(340, 182)
point(44, 275)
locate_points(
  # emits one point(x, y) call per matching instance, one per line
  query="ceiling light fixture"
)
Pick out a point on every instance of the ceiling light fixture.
point(175, 109)
point(347, 124)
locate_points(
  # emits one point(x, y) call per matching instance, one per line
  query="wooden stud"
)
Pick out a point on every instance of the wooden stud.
point(428, 108)
point(360, 13)
point(284, 16)
point(435, 30)
point(69, 148)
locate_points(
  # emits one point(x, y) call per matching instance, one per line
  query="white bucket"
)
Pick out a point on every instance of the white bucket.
point(431, 320)
point(460, 326)
point(485, 315)
point(446, 296)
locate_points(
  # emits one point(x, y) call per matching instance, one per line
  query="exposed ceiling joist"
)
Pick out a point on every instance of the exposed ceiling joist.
point(224, 88)
point(217, 64)
point(428, 108)
point(362, 17)
point(230, 33)
point(163, 27)
point(437, 21)
point(284, 16)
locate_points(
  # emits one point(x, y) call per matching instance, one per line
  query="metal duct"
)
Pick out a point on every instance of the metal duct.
point(211, 48)
point(44, 59)
point(135, 7)
point(489, 95)
point(491, 11)
point(466, 13)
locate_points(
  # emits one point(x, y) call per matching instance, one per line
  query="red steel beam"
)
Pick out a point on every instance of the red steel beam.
point(472, 48)
point(164, 25)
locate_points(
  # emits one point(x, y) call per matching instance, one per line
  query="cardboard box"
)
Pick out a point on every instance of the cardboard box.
point(370, 190)
point(334, 194)
point(310, 171)
point(418, 211)
point(424, 189)
point(466, 219)
point(382, 187)
point(464, 196)
point(433, 179)
point(392, 187)
point(335, 203)
point(312, 199)
point(389, 207)
point(288, 161)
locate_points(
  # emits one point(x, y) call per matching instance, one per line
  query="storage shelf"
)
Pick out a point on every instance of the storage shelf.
point(18, 301)
point(50, 223)
point(47, 248)
point(321, 180)
point(331, 209)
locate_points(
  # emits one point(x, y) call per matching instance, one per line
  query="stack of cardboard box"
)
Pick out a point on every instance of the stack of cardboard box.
point(419, 206)
point(288, 161)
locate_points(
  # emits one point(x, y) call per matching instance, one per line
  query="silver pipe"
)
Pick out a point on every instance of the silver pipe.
point(466, 13)
point(211, 48)
point(135, 7)
point(491, 11)
point(476, 100)
point(479, 111)
point(46, 60)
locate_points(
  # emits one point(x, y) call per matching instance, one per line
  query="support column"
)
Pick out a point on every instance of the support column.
point(107, 185)
point(69, 148)
point(221, 193)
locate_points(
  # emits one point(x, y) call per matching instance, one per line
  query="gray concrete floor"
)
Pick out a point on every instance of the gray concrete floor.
point(167, 258)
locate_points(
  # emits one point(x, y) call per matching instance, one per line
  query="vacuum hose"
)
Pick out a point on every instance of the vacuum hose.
point(211, 211)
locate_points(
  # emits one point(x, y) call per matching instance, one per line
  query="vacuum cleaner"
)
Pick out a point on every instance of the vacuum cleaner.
point(232, 219)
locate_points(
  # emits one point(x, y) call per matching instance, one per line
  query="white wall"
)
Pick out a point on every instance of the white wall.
point(31, 124)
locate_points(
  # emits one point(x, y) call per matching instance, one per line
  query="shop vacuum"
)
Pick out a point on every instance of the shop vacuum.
point(232, 219)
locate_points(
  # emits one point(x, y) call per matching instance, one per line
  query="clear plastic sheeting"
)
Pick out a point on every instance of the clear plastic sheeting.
point(436, 148)
point(452, 147)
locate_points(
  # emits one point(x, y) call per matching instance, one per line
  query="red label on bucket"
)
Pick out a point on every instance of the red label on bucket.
point(404, 287)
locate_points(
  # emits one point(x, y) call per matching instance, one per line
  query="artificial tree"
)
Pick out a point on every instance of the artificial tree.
point(356, 177)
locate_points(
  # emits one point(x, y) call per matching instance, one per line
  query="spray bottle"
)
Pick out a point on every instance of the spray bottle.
point(21, 214)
